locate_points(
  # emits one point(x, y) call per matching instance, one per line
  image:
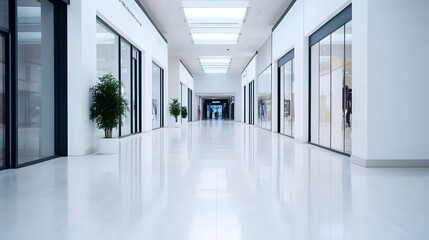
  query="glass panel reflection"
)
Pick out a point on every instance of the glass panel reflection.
point(126, 85)
point(348, 89)
point(315, 93)
point(2, 94)
point(156, 96)
point(337, 78)
point(288, 98)
point(35, 110)
point(4, 14)
point(107, 51)
point(264, 99)
point(331, 90)
point(325, 92)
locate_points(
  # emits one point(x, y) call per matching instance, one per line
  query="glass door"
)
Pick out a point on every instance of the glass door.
point(3, 78)
point(331, 90)
point(157, 96)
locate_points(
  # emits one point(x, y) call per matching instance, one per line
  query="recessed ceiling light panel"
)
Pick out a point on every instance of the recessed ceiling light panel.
point(215, 15)
point(215, 69)
point(215, 61)
point(215, 38)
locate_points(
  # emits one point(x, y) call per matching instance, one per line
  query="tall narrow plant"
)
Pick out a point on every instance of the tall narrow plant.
point(184, 112)
point(174, 108)
point(108, 104)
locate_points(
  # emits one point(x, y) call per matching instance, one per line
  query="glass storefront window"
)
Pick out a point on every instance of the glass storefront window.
point(264, 99)
point(348, 89)
point(2, 97)
point(337, 83)
point(4, 14)
point(126, 85)
point(107, 51)
point(331, 90)
point(287, 111)
point(35, 101)
point(157, 79)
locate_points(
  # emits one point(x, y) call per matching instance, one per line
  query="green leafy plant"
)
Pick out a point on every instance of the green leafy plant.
point(108, 104)
point(174, 108)
point(184, 112)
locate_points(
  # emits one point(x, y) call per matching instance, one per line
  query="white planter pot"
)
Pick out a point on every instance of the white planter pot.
point(108, 145)
point(178, 124)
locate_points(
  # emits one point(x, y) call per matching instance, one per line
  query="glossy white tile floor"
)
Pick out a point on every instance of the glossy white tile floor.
point(213, 180)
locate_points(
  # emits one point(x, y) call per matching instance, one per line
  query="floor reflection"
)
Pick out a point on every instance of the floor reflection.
point(213, 180)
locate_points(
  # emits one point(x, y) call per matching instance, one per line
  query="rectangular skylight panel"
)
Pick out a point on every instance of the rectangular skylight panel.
point(215, 61)
point(215, 29)
point(215, 38)
point(215, 15)
point(215, 69)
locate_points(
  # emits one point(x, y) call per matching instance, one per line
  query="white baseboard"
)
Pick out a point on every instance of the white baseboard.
point(385, 163)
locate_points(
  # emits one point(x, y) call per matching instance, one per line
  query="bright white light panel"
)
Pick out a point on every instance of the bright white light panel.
point(215, 22)
point(215, 64)
point(215, 15)
point(215, 38)
point(215, 69)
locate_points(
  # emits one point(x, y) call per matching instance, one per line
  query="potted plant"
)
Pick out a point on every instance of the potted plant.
point(174, 109)
point(108, 106)
point(183, 112)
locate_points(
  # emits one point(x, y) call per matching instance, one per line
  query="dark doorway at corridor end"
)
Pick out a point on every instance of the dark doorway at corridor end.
point(218, 108)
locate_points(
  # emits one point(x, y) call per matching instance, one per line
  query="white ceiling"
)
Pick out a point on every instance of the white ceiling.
point(170, 19)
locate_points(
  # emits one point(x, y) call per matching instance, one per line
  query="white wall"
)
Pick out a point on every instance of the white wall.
point(220, 84)
point(264, 56)
point(249, 73)
point(185, 77)
point(82, 62)
point(392, 61)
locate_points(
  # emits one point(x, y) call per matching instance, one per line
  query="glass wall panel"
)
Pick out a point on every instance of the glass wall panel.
point(337, 83)
point(325, 92)
point(35, 101)
point(252, 102)
point(288, 104)
point(244, 102)
point(126, 85)
point(4, 14)
point(315, 93)
point(107, 54)
point(107, 51)
point(2, 96)
point(348, 89)
point(156, 96)
point(331, 90)
point(264, 99)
